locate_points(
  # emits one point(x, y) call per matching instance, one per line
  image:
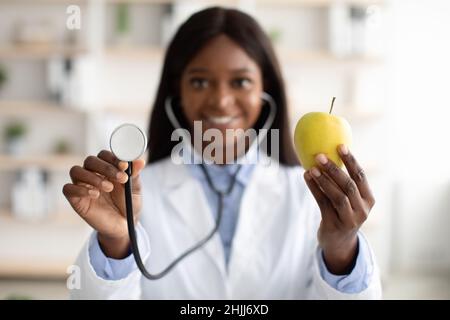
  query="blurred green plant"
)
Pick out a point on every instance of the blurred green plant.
point(3, 76)
point(123, 18)
point(275, 35)
point(62, 147)
point(15, 130)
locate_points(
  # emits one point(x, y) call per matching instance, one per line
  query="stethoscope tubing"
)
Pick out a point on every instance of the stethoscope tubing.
point(132, 231)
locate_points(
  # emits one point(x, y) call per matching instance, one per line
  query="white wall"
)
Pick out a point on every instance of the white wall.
point(420, 154)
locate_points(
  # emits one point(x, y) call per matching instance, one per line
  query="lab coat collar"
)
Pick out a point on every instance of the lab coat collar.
point(259, 205)
point(179, 189)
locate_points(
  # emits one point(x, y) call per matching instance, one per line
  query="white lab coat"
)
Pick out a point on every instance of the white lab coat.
point(274, 253)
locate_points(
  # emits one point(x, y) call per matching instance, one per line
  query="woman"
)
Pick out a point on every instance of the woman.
point(274, 240)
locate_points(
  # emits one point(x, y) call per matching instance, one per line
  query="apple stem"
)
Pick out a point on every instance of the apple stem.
point(332, 104)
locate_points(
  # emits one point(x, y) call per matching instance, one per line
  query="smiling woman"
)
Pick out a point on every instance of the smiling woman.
point(225, 95)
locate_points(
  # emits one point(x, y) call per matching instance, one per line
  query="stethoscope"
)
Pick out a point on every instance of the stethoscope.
point(128, 143)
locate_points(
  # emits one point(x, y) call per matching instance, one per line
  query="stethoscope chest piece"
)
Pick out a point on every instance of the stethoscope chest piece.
point(128, 142)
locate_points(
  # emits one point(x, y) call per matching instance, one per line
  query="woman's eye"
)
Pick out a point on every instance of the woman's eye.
point(199, 83)
point(242, 83)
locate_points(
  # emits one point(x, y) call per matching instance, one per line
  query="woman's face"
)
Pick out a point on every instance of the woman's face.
point(222, 86)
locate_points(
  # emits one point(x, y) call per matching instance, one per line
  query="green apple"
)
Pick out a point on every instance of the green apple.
point(321, 132)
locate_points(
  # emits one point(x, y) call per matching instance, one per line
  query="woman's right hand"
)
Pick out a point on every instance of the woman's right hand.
point(97, 194)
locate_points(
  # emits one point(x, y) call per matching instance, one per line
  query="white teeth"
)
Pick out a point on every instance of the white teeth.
point(220, 120)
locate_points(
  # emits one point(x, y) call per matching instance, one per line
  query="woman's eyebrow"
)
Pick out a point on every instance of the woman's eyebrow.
point(204, 70)
point(197, 70)
point(242, 70)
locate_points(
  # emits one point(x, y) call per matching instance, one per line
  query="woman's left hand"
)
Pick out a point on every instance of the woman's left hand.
point(345, 202)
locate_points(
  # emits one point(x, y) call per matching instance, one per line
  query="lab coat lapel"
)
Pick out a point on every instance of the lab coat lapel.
point(257, 213)
point(185, 195)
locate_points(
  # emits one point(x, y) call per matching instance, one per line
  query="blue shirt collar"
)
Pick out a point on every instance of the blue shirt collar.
point(227, 170)
point(223, 171)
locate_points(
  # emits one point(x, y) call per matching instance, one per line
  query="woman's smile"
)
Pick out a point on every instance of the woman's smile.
point(221, 122)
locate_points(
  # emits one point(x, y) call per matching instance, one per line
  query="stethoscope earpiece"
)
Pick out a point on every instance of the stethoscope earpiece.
point(264, 96)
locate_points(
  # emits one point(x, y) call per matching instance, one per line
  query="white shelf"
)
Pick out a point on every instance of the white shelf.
point(324, 57)
point(284, 54)
point(135, 52)
point(39, 51)
point(77, 2)
point(33, 108)
point(141, 111)
point(66, 218)
point(350, 113)
point(355, 117)
point(145, 1)
point(56, 163)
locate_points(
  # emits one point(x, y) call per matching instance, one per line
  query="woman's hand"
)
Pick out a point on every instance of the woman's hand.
point(344, 202)
point(97, 195)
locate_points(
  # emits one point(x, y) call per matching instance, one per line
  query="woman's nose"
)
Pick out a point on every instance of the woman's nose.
point(222, 98)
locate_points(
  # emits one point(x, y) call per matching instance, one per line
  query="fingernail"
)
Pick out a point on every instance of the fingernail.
point(107, 185)
point(123, 165)
point(343, 149)
point(307, 175)
point(94, 193)
point(121, 176)
point(321, 158)
point(315, 172)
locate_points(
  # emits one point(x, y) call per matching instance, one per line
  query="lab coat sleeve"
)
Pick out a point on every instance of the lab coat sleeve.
point(91, 286)
point(322, 290)
point(359, 278)
point(109, 268)
point(371, 277)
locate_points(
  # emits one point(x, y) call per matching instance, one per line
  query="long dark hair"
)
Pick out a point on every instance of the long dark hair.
point(190, 39)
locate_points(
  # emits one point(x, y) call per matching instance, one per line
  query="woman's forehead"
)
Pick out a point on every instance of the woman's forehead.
point(222, 54)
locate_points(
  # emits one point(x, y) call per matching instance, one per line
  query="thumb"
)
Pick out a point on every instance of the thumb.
point(138, 165)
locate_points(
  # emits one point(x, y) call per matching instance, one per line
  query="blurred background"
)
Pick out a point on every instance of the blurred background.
point(65, 83)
